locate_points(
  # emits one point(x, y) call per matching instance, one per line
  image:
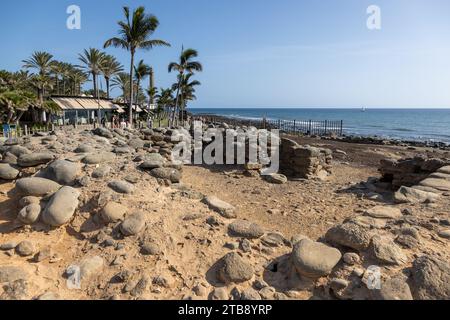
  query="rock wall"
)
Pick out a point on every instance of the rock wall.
point(304, 161)
point(409, 172)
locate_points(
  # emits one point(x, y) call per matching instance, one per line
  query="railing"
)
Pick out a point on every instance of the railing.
point(308, 127)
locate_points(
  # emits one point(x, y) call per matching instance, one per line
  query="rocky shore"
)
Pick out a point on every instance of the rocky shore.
point(106, 214)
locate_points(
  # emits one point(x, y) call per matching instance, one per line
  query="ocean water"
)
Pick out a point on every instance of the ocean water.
point(405, 124)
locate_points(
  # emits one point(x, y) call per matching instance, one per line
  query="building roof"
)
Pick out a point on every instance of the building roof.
point(85, 103)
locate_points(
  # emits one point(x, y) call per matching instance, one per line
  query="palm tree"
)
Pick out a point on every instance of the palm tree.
point(93, 60)
point(165, 99)
point(134, 34)
point(42, 62)
point(141, 71)
point(109, 68)
point(121, 81)
point(186, 88)
point(15, 103)
point(78, 78)
point(184, 65)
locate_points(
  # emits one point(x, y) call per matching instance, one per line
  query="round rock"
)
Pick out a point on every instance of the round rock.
point(245, 229)
point(133, 224)
point(29, 214)
point(233, 269)
point(61, 207)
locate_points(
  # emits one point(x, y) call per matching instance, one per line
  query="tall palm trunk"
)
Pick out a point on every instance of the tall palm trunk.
point(137, 90)
point(107, 86)
point(177, 100)
point(94, 80)
point(130, 113)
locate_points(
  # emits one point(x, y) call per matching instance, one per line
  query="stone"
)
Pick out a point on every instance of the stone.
point(220, 294)
point(61, 207)
point(34, 159)
point(150, 248)
point(49, 296)
point(18, 150)
point(314, 259)
point(84, 148)
point(369, 222)
point(431, 278)
point(113, 212)
point(267, 293)
point(444, 234)
point(25, 201)
point(12, 273)
point(297, 238)
point(133, 224)
point(96, 158)
point(386, 251)
point(349, 235)
point(171, 174)
point(153, 161)
point(29, 214)
point(37, 186)
point(233, 269)
point(435, 183)
point(411, 195)
point(165, 281)
point(276, 178)
point(44, 254)
point(245, 229)
point(121, 187)
point(62, 171)
point(90, 266)
point(199, 290)
point(136, 143)
point(103, 132)
point(393, 289)
point(16, 290)
point(384, 212)
point(337, 284)
point(225, 209)
point(9, 158)
point(250, 294)
point(273, 239)
point(140, 287)
point(25, 249)
point(7, 172)
point(351, 258)
point(84, 181)
point(101, 172)
point(8, 246)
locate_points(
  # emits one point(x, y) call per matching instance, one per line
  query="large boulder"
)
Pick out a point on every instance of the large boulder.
point(233, 269)
point(34, 159)
point(314, 259)
point(386, 251)
point(61, 207)
point(431, 278)
point(245, 229)
point(62, 171)
point(133, 224)
point(350, 235)
point(223, 208)
point(136, 143)
point(170, 174)
point(84, 148)
point(412, 195)
point(37, 186)
point(7, 172)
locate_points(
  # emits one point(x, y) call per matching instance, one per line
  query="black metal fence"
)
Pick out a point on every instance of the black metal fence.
point(307, 127)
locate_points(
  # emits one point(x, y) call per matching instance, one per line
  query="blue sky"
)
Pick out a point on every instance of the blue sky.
point(264, 53)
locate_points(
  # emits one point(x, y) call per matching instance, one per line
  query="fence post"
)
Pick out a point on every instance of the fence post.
point(26, 130)
point(326, 125)
point(295, 131)
point(342, 123)
point(310, 128)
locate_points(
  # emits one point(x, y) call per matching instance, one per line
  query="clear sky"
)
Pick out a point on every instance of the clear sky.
point(263, 53)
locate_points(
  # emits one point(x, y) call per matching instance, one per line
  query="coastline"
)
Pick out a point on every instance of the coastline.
point(345, 137)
